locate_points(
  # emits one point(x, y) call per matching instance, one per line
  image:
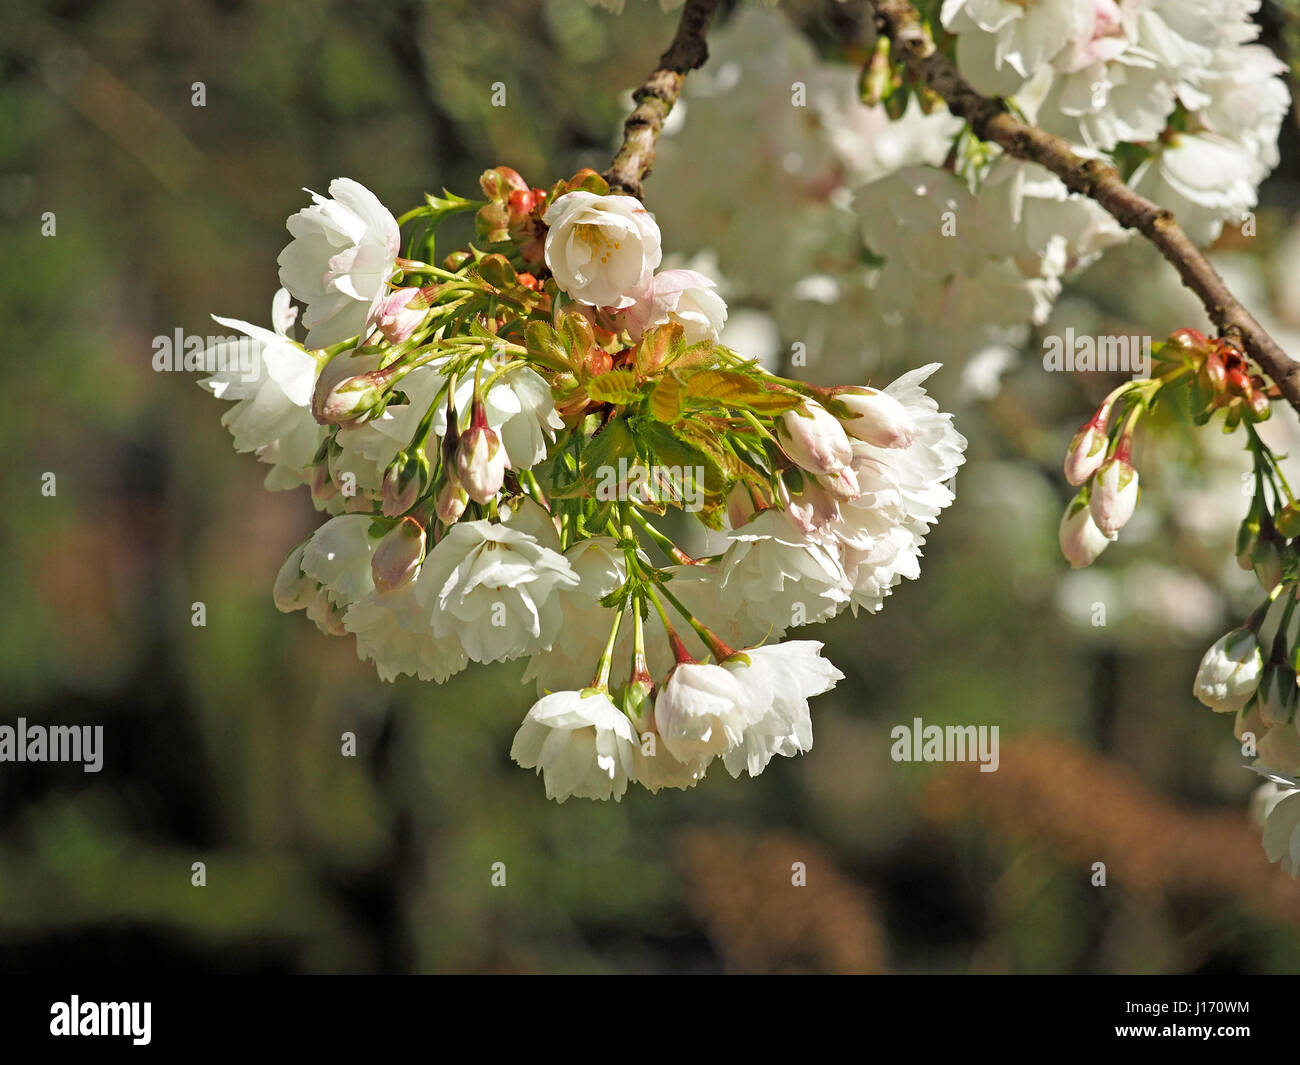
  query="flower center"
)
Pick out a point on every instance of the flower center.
point(596, 239)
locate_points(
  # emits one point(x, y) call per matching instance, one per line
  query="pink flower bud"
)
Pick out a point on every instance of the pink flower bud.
point(404, 480)
point(400, 313)
point(480, 463)
point(878, 418)
point(451, 502)
point(814, 439)
point(293, 589)
point(398, 556)
point(740, 505)
point(1086, 453)
point(352, 401)
point(323, 488)
point(1114, 494)
point(1081, 541)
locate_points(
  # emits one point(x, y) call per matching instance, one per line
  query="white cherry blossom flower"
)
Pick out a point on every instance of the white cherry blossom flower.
point(342, 254)
point(599, 565)
point(581, 744)
point(338, 557)
point(777, 681)
point(601, 248)
point(492, 586)
point(685, 297)
point(701, 712)
point(779, 577)
point(271, 416)
point(392, 630)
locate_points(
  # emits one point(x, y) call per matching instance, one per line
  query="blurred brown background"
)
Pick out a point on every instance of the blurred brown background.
point(222, 742)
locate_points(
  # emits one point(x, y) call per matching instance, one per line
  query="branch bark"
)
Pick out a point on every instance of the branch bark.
point(991, 121)
point(656, 96)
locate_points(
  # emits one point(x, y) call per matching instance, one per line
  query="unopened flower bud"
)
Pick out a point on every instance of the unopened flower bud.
point(814, 439)
point(1086, 453)
point(451, 502)
point(1230, 671)
point(1114, 495)
point(1189, 340)
point(480, 463)
point(1081, 541)
point(293, 589)
point(499, 182)
point(404, 480)
point(353, 400)
point(878, 418)
point(398, 555)
point(740, 505)
point(812, 509)
point(842, 485)
point(1266, 561)
point(1277, 697)
point(400, 314)
point(1287, 520)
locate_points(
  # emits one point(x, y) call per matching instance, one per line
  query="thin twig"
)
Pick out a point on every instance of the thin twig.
point(991, 121)
point(655, 98)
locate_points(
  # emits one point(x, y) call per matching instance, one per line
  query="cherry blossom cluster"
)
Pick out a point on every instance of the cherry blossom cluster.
point(1251, 672)
point(503, 440)
point(1217, 377)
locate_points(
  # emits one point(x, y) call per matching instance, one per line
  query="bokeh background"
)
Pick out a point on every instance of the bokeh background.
point(223, 741)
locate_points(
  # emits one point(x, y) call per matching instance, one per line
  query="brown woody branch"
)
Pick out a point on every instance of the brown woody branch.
point(655, 98)
point(989, 120)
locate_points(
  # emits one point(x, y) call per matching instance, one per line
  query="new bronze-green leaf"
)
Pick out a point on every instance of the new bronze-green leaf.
point(726, 388)
point(545, 346)
point(614, 386)
point(658, 348)
point(666, 399)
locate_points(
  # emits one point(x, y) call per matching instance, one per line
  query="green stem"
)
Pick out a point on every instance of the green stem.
point(663, 542)
point(601, 681)
point(719, 649)
point(679, 649)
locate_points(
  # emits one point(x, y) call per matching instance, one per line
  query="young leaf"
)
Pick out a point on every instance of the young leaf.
point(612, 443)
point(726, 388)
point(666, 399)
point(614, 386)
point(658, 349)
point(545, 346)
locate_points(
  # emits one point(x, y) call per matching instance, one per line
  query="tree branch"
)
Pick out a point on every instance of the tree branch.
point(656, 96)
point(990, 121)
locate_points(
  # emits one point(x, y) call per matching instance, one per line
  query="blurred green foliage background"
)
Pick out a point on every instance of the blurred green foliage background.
point(223, 741)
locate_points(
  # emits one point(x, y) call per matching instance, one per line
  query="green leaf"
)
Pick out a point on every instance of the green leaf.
point(545, 346)
point(664, 447)
point(728, 464)
point(658, 349)
point(577, 334)
point(666, 399)
point(496, 270)
point(727, 388)
point(614, 386)
point(612, 443)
